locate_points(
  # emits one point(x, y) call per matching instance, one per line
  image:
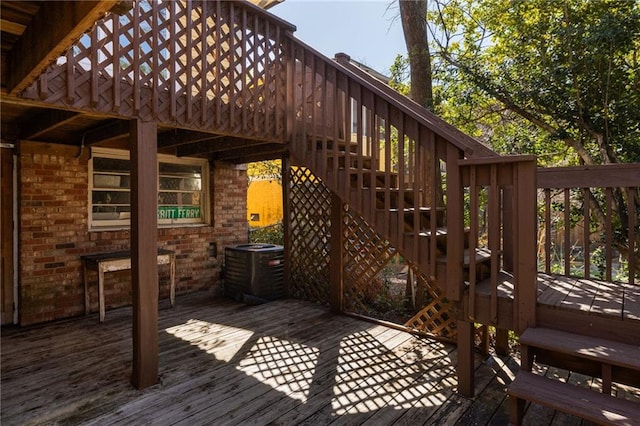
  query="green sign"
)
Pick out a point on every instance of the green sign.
point(178, 212)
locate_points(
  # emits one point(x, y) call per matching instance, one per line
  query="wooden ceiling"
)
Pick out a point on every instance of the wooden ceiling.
point(31, 41)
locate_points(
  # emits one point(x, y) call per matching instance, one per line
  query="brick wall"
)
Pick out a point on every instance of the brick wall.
point(53, 234)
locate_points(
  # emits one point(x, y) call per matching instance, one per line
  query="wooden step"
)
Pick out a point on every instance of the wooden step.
point(602, 350)
point(482, 256)
point(611, 360)
point(343, 145)
point(577, 401)
point(390, 218)
point(352, 160)
point(380, 177)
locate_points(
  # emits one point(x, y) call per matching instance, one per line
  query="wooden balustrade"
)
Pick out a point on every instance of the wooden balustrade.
point(499, 198)
point(384, 156)
point(590, 213)
point(210, 66)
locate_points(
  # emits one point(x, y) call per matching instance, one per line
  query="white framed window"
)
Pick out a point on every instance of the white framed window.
point(183, 187)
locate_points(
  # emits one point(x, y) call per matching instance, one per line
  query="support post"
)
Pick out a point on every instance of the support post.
point(144, 248)
point(286, 221)
point(525, 266)
point(336, 256)
point(464, 368)
point(502, 341)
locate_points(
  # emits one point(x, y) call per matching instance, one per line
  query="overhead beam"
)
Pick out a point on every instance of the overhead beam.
point(48, 36)
point(216, 145)
point(177, 137)
point(251, 154)
point(45, 122)
point(13, 28)
point(116, 129)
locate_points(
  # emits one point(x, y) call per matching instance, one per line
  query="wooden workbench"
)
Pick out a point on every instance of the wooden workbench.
point(120, 261)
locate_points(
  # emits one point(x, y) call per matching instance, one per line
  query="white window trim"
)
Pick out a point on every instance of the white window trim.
point(126, 223)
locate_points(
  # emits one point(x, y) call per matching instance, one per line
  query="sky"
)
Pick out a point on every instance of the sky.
point(367, 30)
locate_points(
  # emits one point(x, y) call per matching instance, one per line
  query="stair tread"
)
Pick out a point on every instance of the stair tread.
point(582, 402)
point(482, 255)
point(602, 350)
point(440, 231)
point(411, 209)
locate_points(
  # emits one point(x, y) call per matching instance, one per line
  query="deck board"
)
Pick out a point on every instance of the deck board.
point(284, 362)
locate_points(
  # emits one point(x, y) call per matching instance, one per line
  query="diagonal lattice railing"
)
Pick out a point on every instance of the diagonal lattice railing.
point(208, 66)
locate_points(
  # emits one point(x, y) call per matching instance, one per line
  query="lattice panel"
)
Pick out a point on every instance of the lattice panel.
point(215, 66)
point(366, 255)
point(435, 317)
point(310, 210)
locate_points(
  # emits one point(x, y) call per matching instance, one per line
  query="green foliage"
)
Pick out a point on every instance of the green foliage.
point(272, 234)
point(400, 75)
point(557, 79)
point(265, 170)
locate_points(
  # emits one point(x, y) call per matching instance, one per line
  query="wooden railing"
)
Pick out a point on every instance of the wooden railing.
point(383, 154)
point(498, 207)
point(209, 66)
point(589, 221)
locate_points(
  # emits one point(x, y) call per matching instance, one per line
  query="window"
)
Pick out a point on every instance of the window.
point(182, 189)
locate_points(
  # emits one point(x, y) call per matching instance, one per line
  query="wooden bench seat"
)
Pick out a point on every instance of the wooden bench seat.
point(120, 261)
point(581, 402)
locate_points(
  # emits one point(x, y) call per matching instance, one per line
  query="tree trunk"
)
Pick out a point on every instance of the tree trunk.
point(413, 14)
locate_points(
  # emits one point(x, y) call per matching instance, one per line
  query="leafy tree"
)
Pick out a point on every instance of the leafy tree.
point(271, 169)
point(560, 79)
point(568, 68)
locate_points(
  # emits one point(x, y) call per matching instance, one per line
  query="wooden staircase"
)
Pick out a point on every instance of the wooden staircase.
point(464, 215)
point(610, 360)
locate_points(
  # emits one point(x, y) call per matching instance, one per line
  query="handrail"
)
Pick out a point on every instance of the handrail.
point(469, 145)
point(612, 192)
point(382, 153)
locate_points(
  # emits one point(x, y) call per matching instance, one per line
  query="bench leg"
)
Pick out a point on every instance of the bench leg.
point(484, 340)
point(526, 357)
point(606, 379)
point(516, 410)
point(172, 278)
point(86, 288)
point(101, 292)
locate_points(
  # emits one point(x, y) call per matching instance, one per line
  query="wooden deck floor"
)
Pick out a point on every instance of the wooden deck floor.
point(285, 362)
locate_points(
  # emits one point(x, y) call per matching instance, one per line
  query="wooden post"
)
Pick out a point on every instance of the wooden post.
point(508, 236)
point(464, 367)
point(336, 256)
point(526, 258)
point(502, 341)
point(286, 221)
point(144, 247)
point(455, 227)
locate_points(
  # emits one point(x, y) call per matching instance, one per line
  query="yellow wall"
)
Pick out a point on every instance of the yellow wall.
point(264, 197)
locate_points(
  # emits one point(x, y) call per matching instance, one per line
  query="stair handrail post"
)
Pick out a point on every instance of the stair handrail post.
point(455, 225)
point(525, 244)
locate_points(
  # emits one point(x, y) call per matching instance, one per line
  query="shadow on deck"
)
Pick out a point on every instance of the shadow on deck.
point(285, 362)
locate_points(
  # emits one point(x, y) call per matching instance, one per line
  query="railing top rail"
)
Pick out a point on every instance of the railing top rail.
point(600, 176)
point(285, 25)
point(463, 141)
point(479, 161)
